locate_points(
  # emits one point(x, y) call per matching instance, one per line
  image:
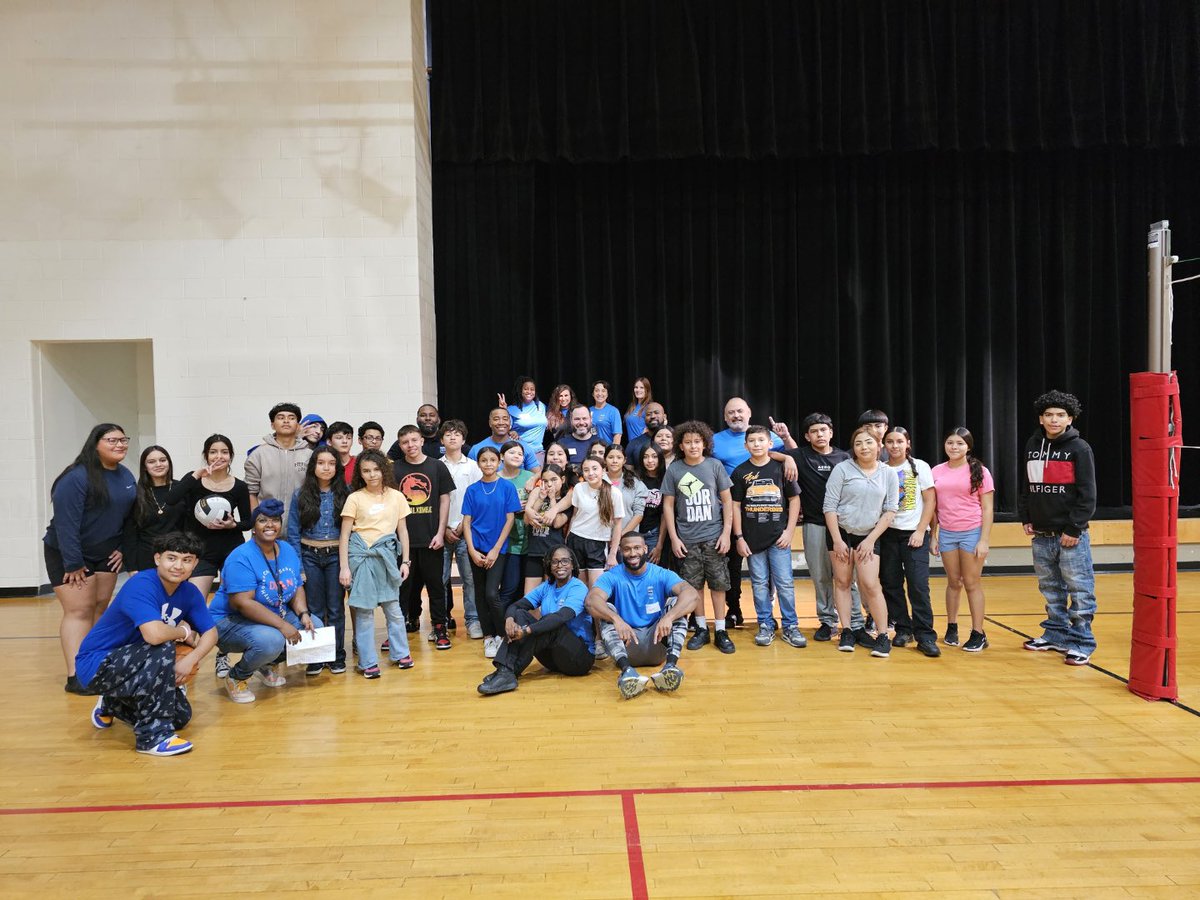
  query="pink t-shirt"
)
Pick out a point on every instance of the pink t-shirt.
point(957, 508)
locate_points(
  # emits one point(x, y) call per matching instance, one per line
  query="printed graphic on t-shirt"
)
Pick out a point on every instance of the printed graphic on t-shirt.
point(697, 499)
point(764, 498)
point(908, 489)
point(417, 490)
point(653, 498)
point(171, 614)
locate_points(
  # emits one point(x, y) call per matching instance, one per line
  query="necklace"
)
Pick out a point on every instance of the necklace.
point(495, 484)
point(162, 507)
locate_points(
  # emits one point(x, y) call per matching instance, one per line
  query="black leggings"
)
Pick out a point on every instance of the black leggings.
point(487, 597)
point(425, 573)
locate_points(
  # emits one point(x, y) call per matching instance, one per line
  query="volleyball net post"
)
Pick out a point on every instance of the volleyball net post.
point(1156, 434)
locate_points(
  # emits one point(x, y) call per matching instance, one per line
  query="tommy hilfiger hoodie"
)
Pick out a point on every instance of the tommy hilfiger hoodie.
point(1058, 483)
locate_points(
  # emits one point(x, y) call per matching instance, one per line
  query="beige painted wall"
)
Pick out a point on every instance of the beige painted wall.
point(245, 184)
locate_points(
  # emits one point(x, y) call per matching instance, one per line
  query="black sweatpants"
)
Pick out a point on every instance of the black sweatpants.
point(559, 650)
point(425, 573)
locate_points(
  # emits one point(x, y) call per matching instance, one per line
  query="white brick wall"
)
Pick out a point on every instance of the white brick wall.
point(245, 184)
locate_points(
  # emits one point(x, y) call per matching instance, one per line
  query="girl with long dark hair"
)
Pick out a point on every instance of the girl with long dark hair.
point(313, 529)
point(545, 527)
point(91, 498)
point(965, 494)
point(558, 412)
point(210, 487)
point(152, 516)
point(650, 468)
point(635, 413)
point(904, 547)
point(633, 491)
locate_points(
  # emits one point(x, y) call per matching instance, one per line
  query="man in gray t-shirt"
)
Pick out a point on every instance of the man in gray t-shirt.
point(698, 517)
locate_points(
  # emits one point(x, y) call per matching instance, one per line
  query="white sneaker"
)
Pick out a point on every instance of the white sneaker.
point(271, 678)
point(238, 691)
point(474, 631)
point(491, 646)
point(223, 665)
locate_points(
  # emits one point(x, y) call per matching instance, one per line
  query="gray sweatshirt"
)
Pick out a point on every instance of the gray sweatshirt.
point(859, 499)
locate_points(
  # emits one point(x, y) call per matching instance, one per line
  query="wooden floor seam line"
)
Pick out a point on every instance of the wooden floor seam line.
point(609, 792)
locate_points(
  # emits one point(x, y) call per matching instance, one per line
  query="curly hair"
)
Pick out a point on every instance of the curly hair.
point(1058, 400)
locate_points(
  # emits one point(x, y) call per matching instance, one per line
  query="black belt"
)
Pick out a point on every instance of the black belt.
point(325, 550)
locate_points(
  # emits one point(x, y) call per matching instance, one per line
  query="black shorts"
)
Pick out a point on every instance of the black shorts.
point(206, 568)
point(591, 554)
point(534, 567)
point(852, 540)
point(56, 571)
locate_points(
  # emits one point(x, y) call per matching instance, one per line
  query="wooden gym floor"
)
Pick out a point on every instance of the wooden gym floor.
point(774, 771)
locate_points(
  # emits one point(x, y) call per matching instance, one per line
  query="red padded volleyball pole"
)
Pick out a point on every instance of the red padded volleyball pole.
point(1156, 433)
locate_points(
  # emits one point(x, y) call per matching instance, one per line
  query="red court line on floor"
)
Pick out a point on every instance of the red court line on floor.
point(606, 792)
point(633, 847)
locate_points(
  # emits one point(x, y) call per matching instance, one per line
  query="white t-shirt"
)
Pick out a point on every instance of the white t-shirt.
point(912, 504)
point(586, 521)
point(465, 473)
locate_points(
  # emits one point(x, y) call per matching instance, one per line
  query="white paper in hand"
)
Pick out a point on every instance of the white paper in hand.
point(312, 649)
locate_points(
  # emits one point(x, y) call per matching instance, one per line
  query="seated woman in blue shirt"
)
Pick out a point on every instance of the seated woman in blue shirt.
point(261, 605)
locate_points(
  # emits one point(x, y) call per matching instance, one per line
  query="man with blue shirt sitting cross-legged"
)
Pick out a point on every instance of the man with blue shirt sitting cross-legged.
point(129, 656)
point(642, 610)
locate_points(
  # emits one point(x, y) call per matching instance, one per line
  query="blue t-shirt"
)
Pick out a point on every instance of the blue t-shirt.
point(551, 599)
point(635, 425)
point(576, 448)
point(530, 463)
point(274, 582)
point(639, 599)
point(729, 447)
point(143, 599)
point(487, 505)
point(606, 421)
point(529, 421)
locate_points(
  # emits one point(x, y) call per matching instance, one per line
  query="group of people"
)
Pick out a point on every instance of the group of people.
point(579, 533)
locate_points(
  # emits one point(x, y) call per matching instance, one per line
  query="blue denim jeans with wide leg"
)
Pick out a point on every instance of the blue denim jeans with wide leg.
point(326, 596)
point(773, 568)
point(364, 634)
point(260, 645)
point(1068, 582)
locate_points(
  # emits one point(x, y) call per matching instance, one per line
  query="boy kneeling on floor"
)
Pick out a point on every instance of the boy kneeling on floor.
point(129, 656)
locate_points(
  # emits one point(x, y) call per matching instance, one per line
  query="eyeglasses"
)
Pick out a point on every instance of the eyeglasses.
point(116, 442)
point(560, 562)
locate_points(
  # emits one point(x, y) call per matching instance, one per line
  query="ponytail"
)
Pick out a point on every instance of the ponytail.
point(976, 473)
point(604, 503)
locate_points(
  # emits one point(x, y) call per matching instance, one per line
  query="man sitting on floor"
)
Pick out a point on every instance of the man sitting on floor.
point(129, 657)
point(561, 639)
point(643, 610)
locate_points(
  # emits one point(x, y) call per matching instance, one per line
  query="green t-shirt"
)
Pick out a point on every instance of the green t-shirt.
point(518, 538)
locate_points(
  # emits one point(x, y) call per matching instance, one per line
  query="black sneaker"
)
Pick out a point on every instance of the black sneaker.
point(951, 638)
point(847, 641)
point(824, 633)
point(452, 626)
point(883, 646)
point(865, 639)
point(630, 684)
point(929, 648)
point(869, 625)
point(313, 669)
point(499, 682)
point(903, 639)
point(337, 668)
point(976, 642)
point(412, 627)
point(698, 640)
point(724, 642)
point(73, 686)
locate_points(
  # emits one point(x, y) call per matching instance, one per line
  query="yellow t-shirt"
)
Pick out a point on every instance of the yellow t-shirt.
point(375, 516)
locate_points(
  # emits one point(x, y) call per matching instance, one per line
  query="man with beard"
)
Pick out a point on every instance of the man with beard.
point(656, 417)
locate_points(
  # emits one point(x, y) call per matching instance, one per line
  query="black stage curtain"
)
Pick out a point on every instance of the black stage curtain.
point(948, 285)
point(601, 80)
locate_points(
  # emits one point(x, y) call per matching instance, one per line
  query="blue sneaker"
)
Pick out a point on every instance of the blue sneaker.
point(101, 717)
point(172, 746)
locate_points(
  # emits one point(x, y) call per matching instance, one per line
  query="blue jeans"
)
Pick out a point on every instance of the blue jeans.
point(820, 570)
point(364, 634)
point(458, 552)
point(260, 645)
point(773, 568)
point(325, 593)
point(1067, 581)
